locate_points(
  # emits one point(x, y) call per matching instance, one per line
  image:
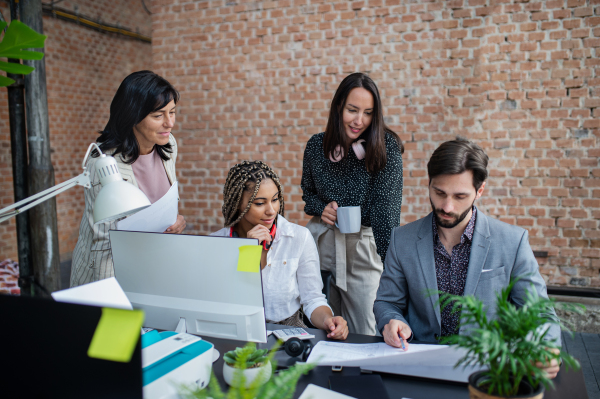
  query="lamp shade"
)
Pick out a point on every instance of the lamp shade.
point(117, 198)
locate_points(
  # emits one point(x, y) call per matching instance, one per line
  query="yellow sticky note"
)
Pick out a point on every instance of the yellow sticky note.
point(116, 335)
point(249, 259)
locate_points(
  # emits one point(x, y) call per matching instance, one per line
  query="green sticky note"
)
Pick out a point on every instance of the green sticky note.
point(116, 335)
point(249, 259)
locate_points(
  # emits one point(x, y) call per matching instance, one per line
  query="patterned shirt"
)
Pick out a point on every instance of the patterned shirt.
point(451, 270)
point(348, 183)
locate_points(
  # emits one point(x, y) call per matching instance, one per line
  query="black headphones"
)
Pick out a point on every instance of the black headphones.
point(295, 347)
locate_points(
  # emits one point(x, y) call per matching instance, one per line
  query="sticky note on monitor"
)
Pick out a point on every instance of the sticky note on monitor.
point(116, 335)
point(249, 258)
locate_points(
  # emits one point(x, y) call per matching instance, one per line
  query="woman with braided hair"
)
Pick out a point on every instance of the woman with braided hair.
point(253, 208)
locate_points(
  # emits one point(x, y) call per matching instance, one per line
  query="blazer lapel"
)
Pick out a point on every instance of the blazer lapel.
point(126, 170)
point(169, 170)
point(427, 261)
point(479, 251)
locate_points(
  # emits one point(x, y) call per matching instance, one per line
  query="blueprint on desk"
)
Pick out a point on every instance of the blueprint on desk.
point(427, 361)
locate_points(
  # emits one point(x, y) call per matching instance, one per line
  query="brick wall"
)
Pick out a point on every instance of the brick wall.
point(519, 77)
point(9, 277)
point(84, 67)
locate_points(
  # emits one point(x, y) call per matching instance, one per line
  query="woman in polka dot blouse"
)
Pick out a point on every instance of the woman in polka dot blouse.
point(357, 161)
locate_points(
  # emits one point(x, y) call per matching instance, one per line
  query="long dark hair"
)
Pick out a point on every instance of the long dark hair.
point(140, 94)
point(335, 133)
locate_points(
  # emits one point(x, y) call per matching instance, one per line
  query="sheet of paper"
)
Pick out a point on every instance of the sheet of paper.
point(436, 364)
point(249, 258)
point(107, 293)
point(157, 217)
point(426, 361)
point(116, 335)
point(316, 392)
point(327, 353)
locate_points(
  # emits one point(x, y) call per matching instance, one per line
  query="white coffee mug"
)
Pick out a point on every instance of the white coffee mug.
point(348, 219)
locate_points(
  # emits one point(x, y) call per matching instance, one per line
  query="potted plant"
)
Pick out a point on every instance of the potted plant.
point(509, 345)
point(249, 362)
point(277, 386)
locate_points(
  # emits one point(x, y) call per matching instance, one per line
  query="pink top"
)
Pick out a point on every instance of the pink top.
point(151, 176)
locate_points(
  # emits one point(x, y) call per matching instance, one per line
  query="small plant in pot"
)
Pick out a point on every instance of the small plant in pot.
point(248, 362)
point(281, 385)
point(510, 345)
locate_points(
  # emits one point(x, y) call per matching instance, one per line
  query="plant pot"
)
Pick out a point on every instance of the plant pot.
point(526, 391)
point(263, 372)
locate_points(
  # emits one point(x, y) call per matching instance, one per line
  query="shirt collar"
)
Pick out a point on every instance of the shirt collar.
point(466, 235)
point(284, 228)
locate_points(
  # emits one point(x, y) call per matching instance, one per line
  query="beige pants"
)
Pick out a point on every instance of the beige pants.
point(356, 267)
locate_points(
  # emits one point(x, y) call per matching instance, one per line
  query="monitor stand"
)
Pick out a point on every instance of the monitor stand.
point(182, 328)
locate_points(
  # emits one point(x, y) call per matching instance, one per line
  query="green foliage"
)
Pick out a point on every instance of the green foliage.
point(280, 386)
point(511, 344)
point(254, 357)
point(17, 38)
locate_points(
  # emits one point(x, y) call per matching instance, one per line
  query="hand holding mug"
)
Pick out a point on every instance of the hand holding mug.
point(329, 214)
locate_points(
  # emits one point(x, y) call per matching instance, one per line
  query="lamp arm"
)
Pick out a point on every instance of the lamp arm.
point(23, 205)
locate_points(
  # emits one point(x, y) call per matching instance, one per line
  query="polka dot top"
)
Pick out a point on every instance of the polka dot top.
point(349, 184)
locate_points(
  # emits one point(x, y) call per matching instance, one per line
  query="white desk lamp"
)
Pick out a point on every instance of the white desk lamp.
point(116, 199)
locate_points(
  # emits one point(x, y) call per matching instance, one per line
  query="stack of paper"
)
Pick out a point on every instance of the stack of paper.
point(427, 361)
point(106, 293)
point(316, 392)
point(157, 217)
point(327, 353)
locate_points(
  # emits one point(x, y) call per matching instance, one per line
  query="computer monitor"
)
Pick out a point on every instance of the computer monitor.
point(196, 278)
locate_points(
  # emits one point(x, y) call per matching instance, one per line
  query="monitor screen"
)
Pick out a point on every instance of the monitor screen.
point(195, 278)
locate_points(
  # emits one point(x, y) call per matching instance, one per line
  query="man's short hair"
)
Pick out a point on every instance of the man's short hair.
point(457, 156)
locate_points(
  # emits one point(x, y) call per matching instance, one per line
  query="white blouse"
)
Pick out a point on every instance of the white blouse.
point(292, 275)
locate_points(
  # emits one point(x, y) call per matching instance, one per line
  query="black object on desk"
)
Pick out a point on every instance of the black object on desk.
point(360, 386)
point(44, 351)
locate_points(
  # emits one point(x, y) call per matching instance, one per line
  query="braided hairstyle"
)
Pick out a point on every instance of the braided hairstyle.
point(246, 176)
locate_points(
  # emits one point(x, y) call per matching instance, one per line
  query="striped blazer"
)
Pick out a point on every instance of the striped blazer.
point(92, 257)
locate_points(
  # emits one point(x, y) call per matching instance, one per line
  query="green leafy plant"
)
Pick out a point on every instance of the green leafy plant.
point(254, 357)
point(17, 38)
point(280, 386)
point(512, 343)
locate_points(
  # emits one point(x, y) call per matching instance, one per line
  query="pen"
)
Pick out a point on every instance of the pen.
point(402, 342)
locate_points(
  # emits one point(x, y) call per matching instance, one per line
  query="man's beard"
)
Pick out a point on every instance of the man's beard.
point(448, 224)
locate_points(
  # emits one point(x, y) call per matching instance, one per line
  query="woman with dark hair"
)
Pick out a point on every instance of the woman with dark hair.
point(357, 161)
point(138, 135)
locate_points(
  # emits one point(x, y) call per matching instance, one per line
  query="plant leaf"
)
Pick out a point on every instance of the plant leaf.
point(4, 81)
point(12, 67)
point(24, 55)
point(19, 36)
point(2, 25)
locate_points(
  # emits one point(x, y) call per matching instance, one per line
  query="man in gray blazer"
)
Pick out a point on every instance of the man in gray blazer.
point(455, 249)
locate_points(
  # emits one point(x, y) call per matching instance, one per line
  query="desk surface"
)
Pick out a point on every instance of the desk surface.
point(569, 384)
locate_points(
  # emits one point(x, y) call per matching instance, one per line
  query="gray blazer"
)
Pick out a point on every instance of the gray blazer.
point(500, 252)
